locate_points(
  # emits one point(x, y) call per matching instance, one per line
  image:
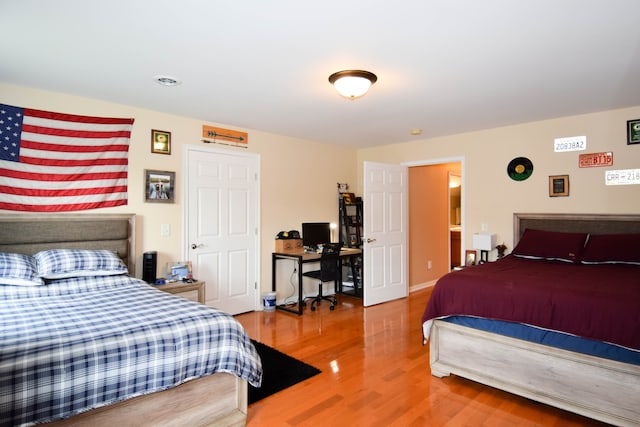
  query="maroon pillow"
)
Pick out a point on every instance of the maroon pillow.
point(612, 249)
point(552, 245)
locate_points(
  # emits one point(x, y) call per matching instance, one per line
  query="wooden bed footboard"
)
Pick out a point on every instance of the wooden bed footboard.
point(215, 400)
point(597, 388)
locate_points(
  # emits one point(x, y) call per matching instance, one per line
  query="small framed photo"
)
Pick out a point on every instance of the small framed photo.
point(160, 142)
point(558, 185)
point(469, 258)
point(179, 270)
point(159, 186)
point(633, 132)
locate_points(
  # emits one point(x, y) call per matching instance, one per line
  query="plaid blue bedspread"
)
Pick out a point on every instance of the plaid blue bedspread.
point(78, 344)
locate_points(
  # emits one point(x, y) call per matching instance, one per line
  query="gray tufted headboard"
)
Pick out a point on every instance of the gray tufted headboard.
point(575, 223)
point(30, 233)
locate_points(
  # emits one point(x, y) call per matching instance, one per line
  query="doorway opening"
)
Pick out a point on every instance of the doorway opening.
point(436, 219)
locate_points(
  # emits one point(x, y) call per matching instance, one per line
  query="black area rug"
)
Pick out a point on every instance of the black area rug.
point(279, 371)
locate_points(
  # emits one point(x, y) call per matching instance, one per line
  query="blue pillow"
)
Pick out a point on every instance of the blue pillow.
point(64, 263)
point(19, 270)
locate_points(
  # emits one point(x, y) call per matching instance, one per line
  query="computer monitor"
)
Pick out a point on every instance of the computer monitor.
point(315, 233)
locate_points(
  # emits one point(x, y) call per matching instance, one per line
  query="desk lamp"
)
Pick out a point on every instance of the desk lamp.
point(484, 243)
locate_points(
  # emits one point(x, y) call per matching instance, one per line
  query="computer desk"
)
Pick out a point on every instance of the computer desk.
point(301, 258)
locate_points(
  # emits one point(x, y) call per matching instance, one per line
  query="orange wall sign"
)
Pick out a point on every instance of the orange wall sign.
point(214, 134)
point(594, 160)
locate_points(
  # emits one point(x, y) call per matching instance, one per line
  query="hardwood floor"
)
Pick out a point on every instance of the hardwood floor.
point(375, 372)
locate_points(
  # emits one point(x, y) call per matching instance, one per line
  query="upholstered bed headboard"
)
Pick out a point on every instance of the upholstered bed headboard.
point(575, 223)
point(28, 234)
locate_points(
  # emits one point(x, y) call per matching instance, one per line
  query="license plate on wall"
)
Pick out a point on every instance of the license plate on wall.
point(594, 160)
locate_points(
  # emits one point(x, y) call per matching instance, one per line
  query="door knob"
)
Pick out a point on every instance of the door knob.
point(195, 246)
point(371, 240)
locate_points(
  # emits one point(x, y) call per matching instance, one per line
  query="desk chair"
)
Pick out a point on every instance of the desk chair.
point(329, 272)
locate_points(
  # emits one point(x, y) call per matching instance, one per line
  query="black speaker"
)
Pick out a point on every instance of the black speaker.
point(149, 266)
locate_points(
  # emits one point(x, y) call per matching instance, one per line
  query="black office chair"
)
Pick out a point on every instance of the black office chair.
point(329, 272)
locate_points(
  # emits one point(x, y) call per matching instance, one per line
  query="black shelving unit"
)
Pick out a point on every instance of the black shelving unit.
point(351, 237)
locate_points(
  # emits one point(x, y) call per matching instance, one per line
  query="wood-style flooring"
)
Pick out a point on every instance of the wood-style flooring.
point(375, 372)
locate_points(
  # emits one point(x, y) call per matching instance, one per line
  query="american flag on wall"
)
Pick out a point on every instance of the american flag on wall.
point(51, 162)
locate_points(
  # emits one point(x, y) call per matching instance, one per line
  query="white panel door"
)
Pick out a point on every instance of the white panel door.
point(222, 226)
point(385, 233)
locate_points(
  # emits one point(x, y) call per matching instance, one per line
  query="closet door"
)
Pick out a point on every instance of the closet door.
point(222, 226)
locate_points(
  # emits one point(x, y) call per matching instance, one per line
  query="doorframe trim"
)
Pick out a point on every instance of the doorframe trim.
point(187, 148)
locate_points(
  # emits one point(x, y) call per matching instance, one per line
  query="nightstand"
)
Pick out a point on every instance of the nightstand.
point(193, 291)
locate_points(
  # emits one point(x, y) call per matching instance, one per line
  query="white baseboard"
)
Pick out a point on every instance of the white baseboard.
point(421, 286)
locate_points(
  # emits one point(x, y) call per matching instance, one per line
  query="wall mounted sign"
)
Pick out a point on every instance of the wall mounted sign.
point(633, 132)
point(572, 143)
point(594, 160)
point(519, 169)
point(213, 134)
point(622, 177)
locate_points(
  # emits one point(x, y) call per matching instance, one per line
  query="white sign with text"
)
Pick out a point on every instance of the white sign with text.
point(622, 177)
point(571, 143)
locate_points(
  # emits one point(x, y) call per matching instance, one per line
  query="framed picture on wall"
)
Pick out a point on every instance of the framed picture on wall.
point(633, 131)
point(160, 142)
point(159, 186)
point(558, 185)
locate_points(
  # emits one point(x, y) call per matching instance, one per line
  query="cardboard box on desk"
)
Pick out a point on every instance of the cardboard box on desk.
point(288, 245)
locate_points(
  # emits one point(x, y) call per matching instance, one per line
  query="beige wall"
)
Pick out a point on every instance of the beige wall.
point(298, 178)
point(492, 197)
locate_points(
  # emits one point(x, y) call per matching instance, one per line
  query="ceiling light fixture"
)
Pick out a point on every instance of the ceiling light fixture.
point(167, 80)
point(352, 84)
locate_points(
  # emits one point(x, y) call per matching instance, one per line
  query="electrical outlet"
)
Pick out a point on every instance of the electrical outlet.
point(429, 265)
point(165, 230)
point(484, 226)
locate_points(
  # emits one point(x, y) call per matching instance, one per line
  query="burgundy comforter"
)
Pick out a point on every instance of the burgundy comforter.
point(600, 302)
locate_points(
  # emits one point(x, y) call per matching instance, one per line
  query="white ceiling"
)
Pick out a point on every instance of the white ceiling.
point(444, 66)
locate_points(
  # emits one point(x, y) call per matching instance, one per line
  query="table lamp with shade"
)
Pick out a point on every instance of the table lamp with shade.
point(485, 243)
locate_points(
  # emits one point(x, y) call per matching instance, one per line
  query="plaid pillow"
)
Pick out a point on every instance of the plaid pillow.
point(18, 269)
point(64, 263)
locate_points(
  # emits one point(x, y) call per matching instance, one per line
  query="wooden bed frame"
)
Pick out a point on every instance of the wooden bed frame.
point(215, 400)
point(598, 388)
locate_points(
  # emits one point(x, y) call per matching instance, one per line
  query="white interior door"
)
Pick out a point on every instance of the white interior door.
point(222, 211)
point(385, 233)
